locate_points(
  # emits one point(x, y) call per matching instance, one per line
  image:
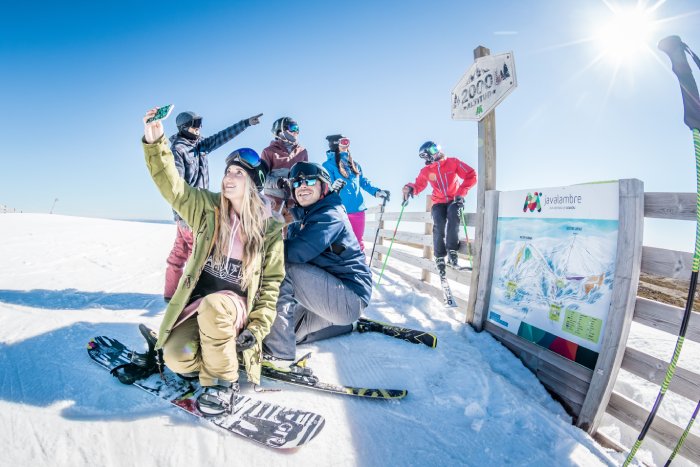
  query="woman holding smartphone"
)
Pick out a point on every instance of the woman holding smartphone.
point(225, 300)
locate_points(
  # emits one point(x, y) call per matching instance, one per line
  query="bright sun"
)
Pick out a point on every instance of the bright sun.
point(626, 34)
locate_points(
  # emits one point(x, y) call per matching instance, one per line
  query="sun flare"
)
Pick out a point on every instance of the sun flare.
point(626, 34)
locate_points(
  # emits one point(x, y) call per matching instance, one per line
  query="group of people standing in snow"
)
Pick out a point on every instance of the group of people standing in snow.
point(275, 258)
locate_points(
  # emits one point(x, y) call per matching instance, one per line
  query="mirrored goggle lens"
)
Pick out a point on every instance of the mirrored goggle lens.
point(197, 123)
point(434, 149)
point(246, 157)
point(344, 142)
point(308, 181)
point(293, 128)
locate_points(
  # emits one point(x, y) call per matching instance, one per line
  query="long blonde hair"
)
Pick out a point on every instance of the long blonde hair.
point(252, 230)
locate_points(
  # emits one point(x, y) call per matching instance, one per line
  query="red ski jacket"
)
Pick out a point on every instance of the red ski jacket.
point(449, 177)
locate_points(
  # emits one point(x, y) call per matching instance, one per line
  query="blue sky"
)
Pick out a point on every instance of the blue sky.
point(76, 80)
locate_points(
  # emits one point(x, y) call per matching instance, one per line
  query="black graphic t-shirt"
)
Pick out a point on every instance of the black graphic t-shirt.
point(215, 279)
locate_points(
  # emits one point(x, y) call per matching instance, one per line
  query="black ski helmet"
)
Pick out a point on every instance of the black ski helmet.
point(249, 160)
point(333, 142)
point(429, 150)
point(306, 170)
point(282, 124)
point(188, 119)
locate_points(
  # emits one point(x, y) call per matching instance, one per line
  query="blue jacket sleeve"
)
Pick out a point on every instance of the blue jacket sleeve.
point(366, 184)
point(332, 169)
point(224, 136)
point(314, 238)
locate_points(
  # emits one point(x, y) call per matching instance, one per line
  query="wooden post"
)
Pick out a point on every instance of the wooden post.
point(486, 180)
point(488, 251)
point(427, 251)
point(624, 295)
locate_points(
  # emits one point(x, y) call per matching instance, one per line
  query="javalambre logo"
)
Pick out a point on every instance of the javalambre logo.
point(532, 202)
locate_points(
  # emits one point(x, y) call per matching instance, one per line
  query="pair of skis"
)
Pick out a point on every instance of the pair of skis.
point(266, 423)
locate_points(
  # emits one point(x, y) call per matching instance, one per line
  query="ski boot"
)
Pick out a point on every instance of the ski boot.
point(452, 259)
point(440, 263)
point(142, 365)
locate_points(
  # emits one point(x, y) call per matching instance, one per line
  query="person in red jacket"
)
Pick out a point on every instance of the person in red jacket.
point(451, 179)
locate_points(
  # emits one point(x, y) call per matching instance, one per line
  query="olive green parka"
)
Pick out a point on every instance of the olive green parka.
point(200, 209)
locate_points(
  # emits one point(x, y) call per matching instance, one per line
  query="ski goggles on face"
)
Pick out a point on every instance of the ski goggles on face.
point(293, 128)
point(311, 181)
point(246, 157)
point(344, 142)
point(430, 151)
point(196, 123)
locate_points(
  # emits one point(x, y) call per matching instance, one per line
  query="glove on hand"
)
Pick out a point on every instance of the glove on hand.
point(254, 120)
point(459, 201)
point(338, 185)
point(407, 192)
point(245, 340)
point(383, 194)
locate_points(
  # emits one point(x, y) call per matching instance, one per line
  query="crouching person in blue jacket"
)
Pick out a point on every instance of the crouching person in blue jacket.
point(327, 283)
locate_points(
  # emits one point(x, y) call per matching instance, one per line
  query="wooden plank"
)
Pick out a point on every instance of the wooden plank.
point(427, 250)
point(566, 380)
point(426, 287)
point(376, 209)
point(624, 293)
point(609, 443)
point(684, 382)
point(679, 206)
point(667, 263)
point(483, 293)
point(571, 400)
point(486, 176)
point(666, 318)
point(418, 240)
point(539, 353)
point(661, 430)
point(461, 277)
point(424, 217)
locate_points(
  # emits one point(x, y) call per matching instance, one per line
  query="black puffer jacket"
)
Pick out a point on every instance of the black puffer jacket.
point(191, 155)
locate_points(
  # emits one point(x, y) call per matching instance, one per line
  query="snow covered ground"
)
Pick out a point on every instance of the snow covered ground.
point(64, 280)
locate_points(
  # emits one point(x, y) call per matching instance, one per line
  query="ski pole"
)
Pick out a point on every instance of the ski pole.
point(469, 247)
point(675, 49)
point(681, 440)
point(376, 235)
point(403, 205)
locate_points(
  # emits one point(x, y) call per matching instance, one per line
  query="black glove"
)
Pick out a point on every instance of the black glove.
point(245, 340)
point(385, 194)
point(284, 185)
point(459, 202)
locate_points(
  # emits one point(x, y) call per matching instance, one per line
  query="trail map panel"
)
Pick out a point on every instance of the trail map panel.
point(554, 266)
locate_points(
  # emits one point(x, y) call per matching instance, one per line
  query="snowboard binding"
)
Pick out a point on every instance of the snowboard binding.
point(141, 365)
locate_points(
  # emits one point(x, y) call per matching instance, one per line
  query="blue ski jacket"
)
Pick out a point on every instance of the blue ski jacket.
point(191, 155)
point(350, 195)
point(322, 236)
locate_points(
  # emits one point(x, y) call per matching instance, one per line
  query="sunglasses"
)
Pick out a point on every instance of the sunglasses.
point(307, 181)
point(344, 142)
point(245, 157)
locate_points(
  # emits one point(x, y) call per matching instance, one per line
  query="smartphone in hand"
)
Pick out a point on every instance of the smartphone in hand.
point(161, 113)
